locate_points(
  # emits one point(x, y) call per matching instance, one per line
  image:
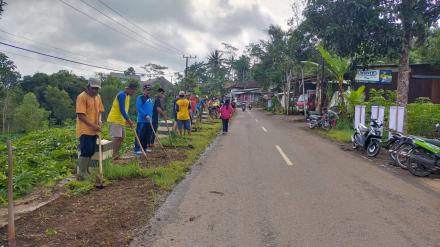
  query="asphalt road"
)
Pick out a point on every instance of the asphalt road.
point(270, 183)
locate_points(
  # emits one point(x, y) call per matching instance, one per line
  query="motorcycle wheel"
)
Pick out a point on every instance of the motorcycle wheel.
point(415, 168)
point(326, 125)
point(373, 148)
point(392, 150)
point(401, 153)
point(312, 124)
point(355, 145)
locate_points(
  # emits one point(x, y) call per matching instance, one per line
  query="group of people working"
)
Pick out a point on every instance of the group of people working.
point(89, 109)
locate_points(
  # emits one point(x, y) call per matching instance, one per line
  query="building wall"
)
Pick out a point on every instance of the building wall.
point(417, 88)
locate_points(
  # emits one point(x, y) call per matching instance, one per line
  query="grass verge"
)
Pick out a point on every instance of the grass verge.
point(166, 177)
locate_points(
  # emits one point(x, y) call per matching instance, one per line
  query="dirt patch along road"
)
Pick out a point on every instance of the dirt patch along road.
point(283, 186)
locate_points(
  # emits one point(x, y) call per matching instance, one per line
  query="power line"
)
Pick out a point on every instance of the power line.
point(138, 26)
point(45, 46)
point(41, 60)
point(60, 58)
point(124, 26)
point(103, 23)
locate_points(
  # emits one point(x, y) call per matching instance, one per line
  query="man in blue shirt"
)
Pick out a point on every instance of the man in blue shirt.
point(144, 108)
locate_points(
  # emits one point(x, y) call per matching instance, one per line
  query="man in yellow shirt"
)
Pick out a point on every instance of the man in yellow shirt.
point(89, 108)
point(118, 117)
point(183, 117)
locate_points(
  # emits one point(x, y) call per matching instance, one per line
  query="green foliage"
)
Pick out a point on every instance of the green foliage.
point(60, 103)
point(76, 188)
point(421, 119)
point(423, 100)
point(39, 157)
point(276, 106)
point(338, 66)
point(29, 116)
point(356, 97)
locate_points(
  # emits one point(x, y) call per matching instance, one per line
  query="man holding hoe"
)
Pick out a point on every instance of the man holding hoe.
point(89, 108)
point(118, 117)
point(159, 109)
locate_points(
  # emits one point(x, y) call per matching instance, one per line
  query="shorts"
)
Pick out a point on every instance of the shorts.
point(87, 145)
point(186, 124)
point(116, 130)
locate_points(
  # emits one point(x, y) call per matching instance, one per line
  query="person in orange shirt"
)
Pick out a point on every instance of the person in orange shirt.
point(89, 108)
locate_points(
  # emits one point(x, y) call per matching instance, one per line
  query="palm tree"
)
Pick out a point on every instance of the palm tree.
point(338, 66)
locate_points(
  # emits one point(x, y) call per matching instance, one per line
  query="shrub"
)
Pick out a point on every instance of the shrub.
point(423, 100)
point(421, 119)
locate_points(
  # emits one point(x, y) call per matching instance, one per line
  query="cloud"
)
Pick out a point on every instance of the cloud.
point(191, 26)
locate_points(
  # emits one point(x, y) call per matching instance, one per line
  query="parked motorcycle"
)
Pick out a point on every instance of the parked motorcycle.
point(250, 107)
point(368, 138)
point(401, 151)
point(323, 121)
point(243, 107)
point(424, 158)
point(393, 143)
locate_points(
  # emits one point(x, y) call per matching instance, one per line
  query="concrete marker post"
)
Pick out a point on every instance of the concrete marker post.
point(11, 223)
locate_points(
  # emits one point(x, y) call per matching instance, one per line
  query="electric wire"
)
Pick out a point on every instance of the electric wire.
point(139, 27)
point(105, 24)
point(60, 58)
point(164, 48)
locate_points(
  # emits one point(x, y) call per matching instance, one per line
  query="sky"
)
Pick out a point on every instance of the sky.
point(150, 31)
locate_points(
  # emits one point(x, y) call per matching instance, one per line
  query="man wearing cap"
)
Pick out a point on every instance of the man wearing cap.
point(89, 108)
point(144, 109)
point(158, 109)
point(118, 117)
point(183, 117)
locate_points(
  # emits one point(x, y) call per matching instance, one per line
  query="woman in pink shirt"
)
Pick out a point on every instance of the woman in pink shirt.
point(225, 114)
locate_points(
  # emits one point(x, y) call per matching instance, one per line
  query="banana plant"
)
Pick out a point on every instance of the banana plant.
point(338, 66)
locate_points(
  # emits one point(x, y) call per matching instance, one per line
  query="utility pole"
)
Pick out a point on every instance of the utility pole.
point(186, 64)
point(186, 69)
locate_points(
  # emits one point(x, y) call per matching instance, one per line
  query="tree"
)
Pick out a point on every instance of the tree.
point(412, 18)
point(351, 28)
point(370, 29)
point(338, 66)
point(29, 115)
point(154, 70)
point(242, 67)
point(110, 87)
point(430, 51)
point(130, 71)
point(2, 5)
point(60, 104)
point(9, 78)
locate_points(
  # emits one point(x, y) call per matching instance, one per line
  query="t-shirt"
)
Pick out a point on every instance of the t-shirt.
point(91, 107)
point(193, 101)
point(157, 103)
point(118, 112)
point(182, 109)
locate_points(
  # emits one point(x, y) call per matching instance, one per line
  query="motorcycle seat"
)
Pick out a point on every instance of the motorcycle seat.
point(363, 128)
point(433, 142)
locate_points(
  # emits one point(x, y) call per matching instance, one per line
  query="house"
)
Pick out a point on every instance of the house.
point(247, 91)
point(162, 81)
point(424, 80)
point(124, 78)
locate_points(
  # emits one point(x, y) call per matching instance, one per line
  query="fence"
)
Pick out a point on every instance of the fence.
point(415, 119)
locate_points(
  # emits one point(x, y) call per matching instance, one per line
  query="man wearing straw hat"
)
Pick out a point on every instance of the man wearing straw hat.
point(89, 108)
